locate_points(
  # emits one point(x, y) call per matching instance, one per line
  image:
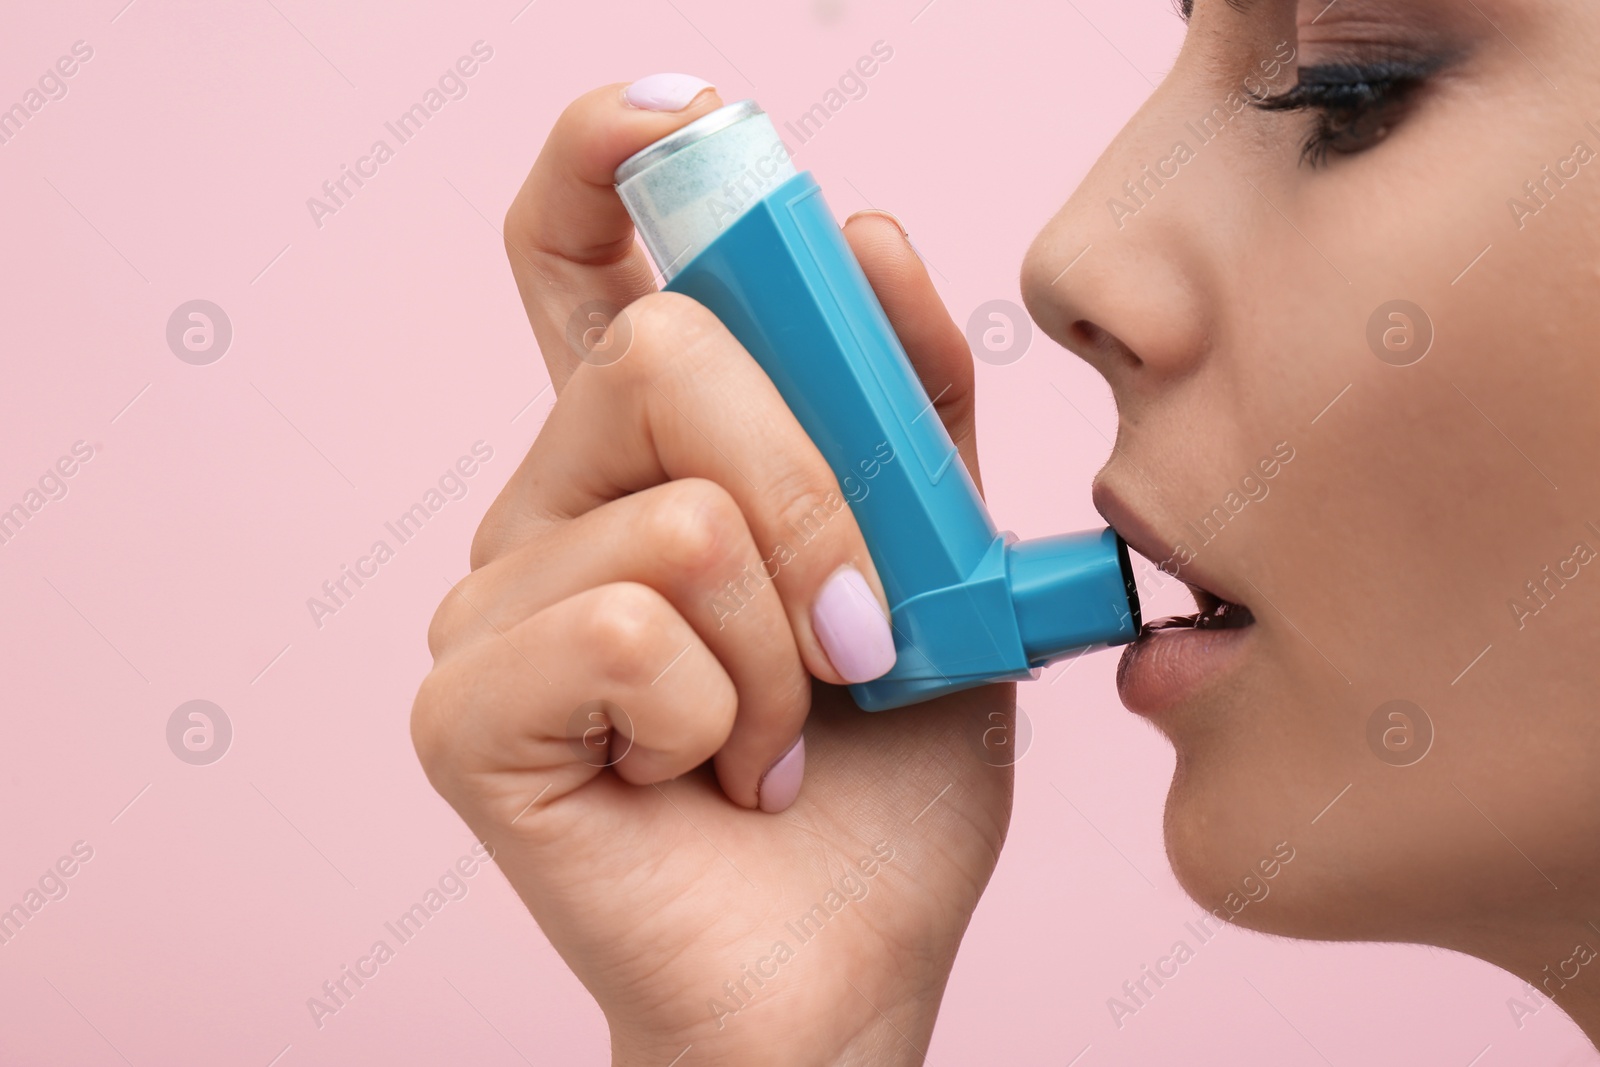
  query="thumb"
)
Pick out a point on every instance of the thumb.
point(936, 345)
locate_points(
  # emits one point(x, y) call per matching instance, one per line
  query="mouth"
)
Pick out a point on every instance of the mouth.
point(1212, 613)
point(1173, 658)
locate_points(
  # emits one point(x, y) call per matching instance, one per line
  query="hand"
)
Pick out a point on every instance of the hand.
point(622, 745)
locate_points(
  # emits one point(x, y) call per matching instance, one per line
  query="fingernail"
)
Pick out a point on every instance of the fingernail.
point(852, 627)
point(891, 216)
point(665, 92)
point(781, 784)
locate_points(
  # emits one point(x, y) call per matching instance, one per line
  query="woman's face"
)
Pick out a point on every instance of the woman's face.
point(1403, 495)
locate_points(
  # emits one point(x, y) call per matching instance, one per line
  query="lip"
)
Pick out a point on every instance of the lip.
point(1168, 664)
point(1143, 539)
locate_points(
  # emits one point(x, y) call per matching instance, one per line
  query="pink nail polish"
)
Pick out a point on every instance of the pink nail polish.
point(665, 92)
point(781, 784)
point(852, 627)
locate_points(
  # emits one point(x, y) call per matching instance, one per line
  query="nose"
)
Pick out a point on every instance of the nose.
point(1126, 274)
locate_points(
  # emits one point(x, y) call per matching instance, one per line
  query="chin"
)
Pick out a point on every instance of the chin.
point(1238, 832)
point(1241, 841)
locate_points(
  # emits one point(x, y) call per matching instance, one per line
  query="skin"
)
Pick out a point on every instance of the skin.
point(598, 566)
point(1383, 561)
point(1227, 314)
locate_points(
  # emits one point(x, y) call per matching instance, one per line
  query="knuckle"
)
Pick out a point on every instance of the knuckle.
point(493, 535)
point(447, 625)
point(441, 628)
point(710, 730)
point(669, 314)
point(511, 524)
point(487, 544)
point(519, 229)
point(514, 225)
point(809, 504)
point(791, 697)
point(671, 326)
point(428, 737)
point(695, 527)
point(625, 625)
point(696, 730)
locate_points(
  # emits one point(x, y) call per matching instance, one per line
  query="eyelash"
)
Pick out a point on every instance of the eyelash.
point(1359, 101)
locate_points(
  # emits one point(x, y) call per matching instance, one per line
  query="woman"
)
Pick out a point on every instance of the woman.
point(1376, 289)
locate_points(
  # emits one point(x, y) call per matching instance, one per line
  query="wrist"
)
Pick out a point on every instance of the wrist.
point(846, 1030)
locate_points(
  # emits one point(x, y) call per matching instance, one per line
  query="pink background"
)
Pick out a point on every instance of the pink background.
point(367, 356)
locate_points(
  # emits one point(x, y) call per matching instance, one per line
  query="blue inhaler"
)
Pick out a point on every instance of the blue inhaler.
point(729, 222)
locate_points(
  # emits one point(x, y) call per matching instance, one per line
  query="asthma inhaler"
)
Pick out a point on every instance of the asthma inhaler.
point(729, 222)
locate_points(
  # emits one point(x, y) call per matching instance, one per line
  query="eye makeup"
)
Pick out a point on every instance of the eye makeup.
point(1356, 103)
point(1363, 66)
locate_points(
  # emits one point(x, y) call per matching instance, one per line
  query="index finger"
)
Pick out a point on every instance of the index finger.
point(568, 237)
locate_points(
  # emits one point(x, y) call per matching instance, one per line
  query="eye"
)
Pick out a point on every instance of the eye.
point(1356, 104)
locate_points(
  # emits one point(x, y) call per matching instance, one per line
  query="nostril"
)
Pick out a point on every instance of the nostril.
point(1090, 339)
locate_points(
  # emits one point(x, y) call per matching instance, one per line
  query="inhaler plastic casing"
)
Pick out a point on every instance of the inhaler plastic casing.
point(730, 223)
